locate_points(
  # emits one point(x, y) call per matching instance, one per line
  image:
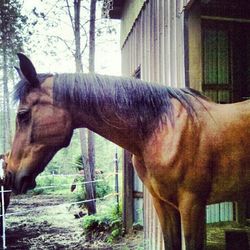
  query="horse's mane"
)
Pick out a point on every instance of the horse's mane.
point(135, 101)
point(141, 104)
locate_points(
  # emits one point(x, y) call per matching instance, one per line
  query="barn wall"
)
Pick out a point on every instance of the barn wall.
point(155, 45)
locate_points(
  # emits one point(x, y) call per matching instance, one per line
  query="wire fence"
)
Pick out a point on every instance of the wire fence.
point(103, 178)
point(58, 205)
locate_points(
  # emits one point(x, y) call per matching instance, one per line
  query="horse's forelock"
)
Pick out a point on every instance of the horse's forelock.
point(23, 87)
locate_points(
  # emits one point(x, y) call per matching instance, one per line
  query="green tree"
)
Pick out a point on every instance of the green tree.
point(12, 37)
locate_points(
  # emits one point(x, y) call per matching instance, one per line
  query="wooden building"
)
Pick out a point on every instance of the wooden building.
point(203, 44)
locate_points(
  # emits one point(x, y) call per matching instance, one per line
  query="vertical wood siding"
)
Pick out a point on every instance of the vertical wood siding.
point(156, 45)
point(137, 200)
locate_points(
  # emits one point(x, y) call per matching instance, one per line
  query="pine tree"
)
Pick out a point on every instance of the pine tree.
point(12, 38)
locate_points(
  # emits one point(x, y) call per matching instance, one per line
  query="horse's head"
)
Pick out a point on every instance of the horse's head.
point(42, 127)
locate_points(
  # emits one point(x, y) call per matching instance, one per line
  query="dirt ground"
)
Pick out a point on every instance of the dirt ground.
point(43, 223)
point(45, 227)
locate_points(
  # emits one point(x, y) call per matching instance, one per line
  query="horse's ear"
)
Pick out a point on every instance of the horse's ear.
point(19, 72)
point(27, 69)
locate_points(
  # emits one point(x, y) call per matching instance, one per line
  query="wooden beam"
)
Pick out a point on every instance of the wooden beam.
point(226, 19)
point(241, 212)
point(137, 194)
point(128, 173)
point(194, 73)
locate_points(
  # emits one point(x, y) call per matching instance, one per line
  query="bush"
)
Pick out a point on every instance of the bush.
point(52, 184)
point(102, 188)
point(41, 183)
point(106, 227)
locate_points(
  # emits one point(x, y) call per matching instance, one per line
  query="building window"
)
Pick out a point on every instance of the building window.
point(216, 62)
point(226, 60)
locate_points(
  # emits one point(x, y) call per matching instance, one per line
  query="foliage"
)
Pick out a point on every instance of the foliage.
point(56, 184)
point(106, 226)
point(12, 26)
point(45, 29)
point(102, 188)
point(13, 34)
point(65, 161)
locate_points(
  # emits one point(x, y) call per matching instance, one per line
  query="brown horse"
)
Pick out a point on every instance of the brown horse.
point(187, 150)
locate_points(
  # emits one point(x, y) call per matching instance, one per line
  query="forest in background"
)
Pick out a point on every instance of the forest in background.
point(42, 30)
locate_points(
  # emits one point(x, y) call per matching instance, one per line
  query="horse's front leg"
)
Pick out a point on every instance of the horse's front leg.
point(192, 210)
point(169, 218)
point(168, 215)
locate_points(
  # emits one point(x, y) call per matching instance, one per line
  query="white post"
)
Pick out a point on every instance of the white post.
point(2, 202)
point(116, 179)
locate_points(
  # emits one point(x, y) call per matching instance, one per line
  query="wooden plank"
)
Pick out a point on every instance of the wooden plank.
point(216, 87)
point(194, 47)
point(137, 194)
point(241, 212)
point(128, 192)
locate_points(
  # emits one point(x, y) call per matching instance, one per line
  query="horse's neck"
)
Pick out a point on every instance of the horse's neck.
point(115, 130)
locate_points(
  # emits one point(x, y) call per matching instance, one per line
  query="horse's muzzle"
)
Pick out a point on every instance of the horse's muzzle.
point(20, 183)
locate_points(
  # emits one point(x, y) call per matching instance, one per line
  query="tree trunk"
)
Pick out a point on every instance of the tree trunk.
point(90, 194)
point(91, 135)
point(4, 113)
point(92, 36)
point(6, 105)
point(77, 34)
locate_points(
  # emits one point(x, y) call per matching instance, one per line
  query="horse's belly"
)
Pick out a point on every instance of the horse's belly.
point(230, 189)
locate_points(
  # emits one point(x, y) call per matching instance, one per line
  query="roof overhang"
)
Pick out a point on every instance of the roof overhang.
point(116, 12)
point(129, 10)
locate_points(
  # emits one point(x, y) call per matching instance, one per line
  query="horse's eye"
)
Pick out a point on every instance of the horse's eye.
point(23, 115)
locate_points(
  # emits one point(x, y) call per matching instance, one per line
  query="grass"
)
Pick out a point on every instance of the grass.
point(216, 234)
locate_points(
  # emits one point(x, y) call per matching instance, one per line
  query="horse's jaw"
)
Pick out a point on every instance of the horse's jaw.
point(23, 182)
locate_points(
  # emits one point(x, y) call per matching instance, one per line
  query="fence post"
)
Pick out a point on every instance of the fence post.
point(2, 203)
point(53, 180)
point(116, 179)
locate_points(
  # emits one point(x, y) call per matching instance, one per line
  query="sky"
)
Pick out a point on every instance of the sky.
point(58, 58)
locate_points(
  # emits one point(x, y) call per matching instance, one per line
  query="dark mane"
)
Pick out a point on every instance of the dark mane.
point(23, 87)
point(140, 103)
